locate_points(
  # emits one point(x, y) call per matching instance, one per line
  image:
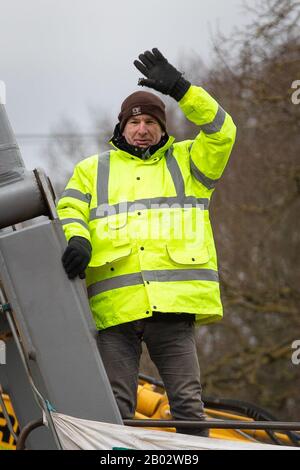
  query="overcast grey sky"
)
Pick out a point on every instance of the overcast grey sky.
point(62, 57)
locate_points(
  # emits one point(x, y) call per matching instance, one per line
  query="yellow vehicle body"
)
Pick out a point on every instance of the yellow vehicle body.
point(152, 403)
point(7, 441)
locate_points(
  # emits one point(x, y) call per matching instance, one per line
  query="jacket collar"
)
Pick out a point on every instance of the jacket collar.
point(150, 154)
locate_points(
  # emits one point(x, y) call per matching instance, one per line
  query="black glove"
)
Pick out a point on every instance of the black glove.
point(76, 257)
point(161, 75)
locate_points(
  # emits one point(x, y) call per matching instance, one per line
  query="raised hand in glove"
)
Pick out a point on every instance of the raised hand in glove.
point(161, 75)
point(76, 257)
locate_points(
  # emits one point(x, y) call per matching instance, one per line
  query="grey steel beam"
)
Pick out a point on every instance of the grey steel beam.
point(55, 347)
point(54, 322)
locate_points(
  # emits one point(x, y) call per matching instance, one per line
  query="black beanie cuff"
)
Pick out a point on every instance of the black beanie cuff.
point(142, 102)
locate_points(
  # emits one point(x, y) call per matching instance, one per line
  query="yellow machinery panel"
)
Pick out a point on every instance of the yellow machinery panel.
point(152, 403)
point(6, 439)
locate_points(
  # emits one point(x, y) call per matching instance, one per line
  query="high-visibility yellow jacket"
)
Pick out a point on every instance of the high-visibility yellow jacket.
point(148, 222)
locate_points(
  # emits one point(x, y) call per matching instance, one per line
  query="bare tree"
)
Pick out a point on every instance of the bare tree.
point(69, 144)
point(255, 214)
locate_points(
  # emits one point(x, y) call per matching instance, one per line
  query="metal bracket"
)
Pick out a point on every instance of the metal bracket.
point(5, 308)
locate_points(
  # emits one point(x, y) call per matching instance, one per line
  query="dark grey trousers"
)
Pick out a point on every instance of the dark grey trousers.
point(172, 348)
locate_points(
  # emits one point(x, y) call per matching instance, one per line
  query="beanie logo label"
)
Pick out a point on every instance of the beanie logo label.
point(136, 111)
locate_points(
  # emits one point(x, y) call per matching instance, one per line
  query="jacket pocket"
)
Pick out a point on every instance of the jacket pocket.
point(118, 229)
point(109, 254)
point(188, 254)
point(110, 240)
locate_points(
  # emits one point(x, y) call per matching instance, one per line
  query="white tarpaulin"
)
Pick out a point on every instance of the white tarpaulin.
point(81, 434)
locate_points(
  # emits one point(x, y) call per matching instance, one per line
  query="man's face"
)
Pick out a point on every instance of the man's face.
point(142, 131)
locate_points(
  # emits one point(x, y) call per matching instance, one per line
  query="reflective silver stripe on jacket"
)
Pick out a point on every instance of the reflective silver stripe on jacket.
point(72, 221)
point(103, 178)
point(154, 203)
point(168, 275)
point(176, 175)
point(104, 209)
point(216, 124)
point(76, 194)
point(115, 283)
point(205, 180)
